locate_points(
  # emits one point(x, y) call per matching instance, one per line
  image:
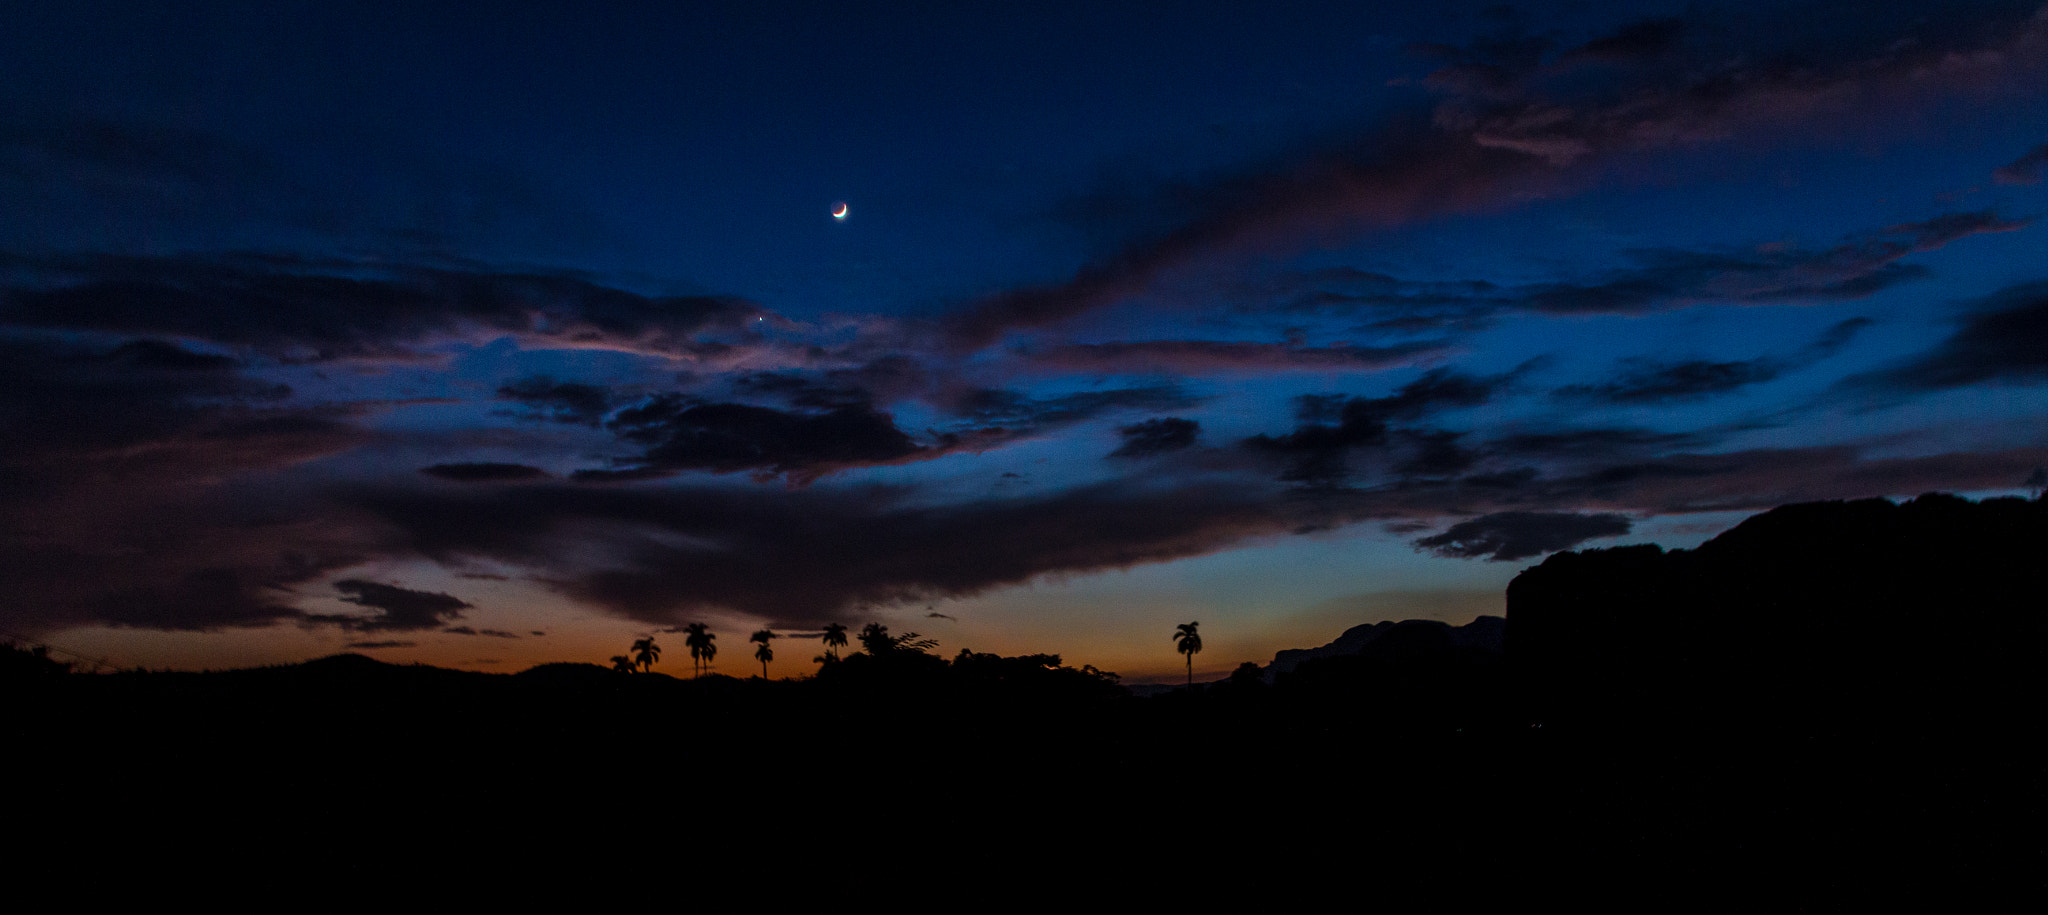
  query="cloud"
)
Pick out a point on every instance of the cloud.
point(1156, 436)
point(492, 633)
point(1636, 42)
point(2026, 169)
point(562, 402)
point(802, 390)
point(1858, 266)
point(383, 644)
point(1646, 381)
point(1317, 449)
point(1018, 413)
point(1520, 535)
point(485, 472)
point(804, 557)
point(115, 488)
point(1641, 381)
point(304, 310)
point(1511, 126)
point(1643, 480)
point(1435, 453)
point(1208, 356)
point(2004, 340)
point(403, 609)
point(400, 609)
point(681, 434)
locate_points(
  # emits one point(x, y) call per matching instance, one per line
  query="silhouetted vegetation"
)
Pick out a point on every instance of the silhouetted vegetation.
point(702, 650)
point(762, 652)
point(18, 663)
point(646, 653)
point(1792, 693)
point(1188, 642)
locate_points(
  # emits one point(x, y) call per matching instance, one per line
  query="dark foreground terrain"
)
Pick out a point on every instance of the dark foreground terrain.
point(1829, 704)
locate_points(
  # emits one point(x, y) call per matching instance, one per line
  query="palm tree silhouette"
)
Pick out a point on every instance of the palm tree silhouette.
point(645, 653)
point(764, 654)
point(623, 664)
point(701, 649)
point(1187, 641)
point(835, 639)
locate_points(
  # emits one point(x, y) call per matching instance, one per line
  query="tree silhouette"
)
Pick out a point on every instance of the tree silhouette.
point(875, 639)
point(1188, 642)
point(835, 639)
point(701, 649)
point(623, 664)
point(645, 653)
point(763, 654)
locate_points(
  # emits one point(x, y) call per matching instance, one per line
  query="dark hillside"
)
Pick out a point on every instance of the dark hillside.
point(1838, 611)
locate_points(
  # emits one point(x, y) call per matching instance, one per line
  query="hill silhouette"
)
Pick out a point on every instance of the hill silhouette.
point(1823, 612)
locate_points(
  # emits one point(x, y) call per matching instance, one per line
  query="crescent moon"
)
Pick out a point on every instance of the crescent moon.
point(839, 211)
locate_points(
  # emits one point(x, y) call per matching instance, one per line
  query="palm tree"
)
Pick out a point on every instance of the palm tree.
point(645, 653)
point(764, 654)
point(835, 639)
point(623, 664)
point(1187, 641)
point(701, 649)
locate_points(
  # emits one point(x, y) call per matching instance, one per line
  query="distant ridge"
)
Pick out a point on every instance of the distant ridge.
point(1485, 634)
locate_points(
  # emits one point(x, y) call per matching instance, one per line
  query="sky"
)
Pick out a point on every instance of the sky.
point(486, 335)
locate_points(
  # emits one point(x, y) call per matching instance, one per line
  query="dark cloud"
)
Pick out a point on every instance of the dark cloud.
point(156, 354)
point(1410, 172)
point(1018, 413)
point(305, 310)
point(1647, 381)
point(1857, 267)
point(401, 609)
point(1636, 42)
point(112, 488)
point(1332, 427)
point(1660, 481)
point(492, 633)
point(801, 390)
point(1519, 535)
point(383, 644)
point(2026, 169)
point(562, 402)
point(1513, 123)
point(804, 557)
point(631, 475)
point(681, 434)
point(883, 379)
point(1204, 356)
point(1832, 340)
point(1435, 453)
point(1639, 381)
point(2005, 339)
point(485, 472)
point(1156, 436)
point(1605, 442)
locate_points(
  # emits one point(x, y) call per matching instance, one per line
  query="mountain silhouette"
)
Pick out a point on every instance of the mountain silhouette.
point(1483, 634)
point(1807, 612)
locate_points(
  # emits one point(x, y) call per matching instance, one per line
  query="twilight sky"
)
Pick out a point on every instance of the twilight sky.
point(491, 334)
